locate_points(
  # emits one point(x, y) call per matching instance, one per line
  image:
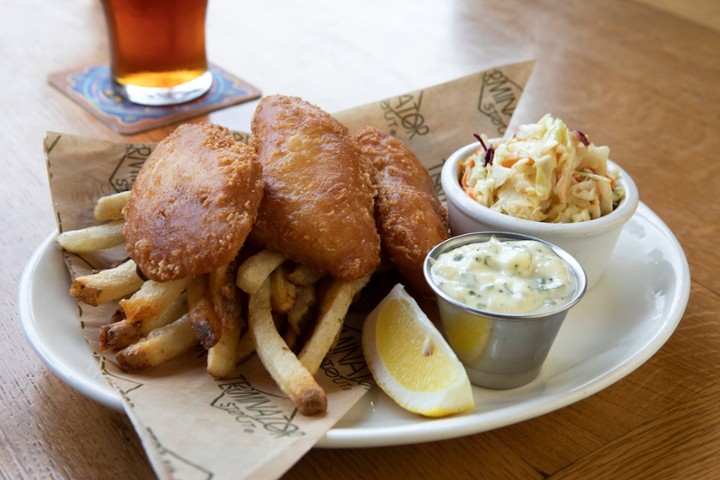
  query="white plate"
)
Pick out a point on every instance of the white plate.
point(619, 325)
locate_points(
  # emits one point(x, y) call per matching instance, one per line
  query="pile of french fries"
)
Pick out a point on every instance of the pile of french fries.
point(294, 314)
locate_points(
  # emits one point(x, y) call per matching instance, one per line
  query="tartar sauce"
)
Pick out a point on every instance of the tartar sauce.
point(513, 277)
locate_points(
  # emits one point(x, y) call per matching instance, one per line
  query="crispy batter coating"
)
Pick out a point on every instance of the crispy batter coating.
point(318, 202)
point(193, 203)
point(409, 214)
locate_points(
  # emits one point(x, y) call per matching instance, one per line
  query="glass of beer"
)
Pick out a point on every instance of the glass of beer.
point(157, 50)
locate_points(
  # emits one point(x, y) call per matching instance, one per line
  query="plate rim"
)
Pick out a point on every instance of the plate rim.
point(100, 392)
point(359, 437)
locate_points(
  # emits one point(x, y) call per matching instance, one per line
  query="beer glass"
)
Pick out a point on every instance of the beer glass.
point(157, 50)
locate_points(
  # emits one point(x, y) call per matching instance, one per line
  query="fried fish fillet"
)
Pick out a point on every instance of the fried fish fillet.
point(193, 203)
point(318, 203)
point(410, 217)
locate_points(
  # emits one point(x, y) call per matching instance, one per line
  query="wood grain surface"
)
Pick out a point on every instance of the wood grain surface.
point(641, 76)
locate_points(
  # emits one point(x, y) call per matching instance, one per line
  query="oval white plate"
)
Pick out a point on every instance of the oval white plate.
point(619, 324)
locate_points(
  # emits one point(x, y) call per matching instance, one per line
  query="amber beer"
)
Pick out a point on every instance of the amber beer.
point(157, 49)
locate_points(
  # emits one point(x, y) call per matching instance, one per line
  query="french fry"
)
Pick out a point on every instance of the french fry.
point(110, 207)
point(177, 308)
point(331, 317)
point(117, 316)
point(246, 347)
point(218, 294)
point(303, 276)
point(125, 336)
point(222, 357)
point(92, 239)
point(226, 298)
point(284, 367)
point(152, 299)
point(107, 285)
point(118, 335)
point(205, 322)
point(252, 272)
point(301, 311)
point(159, 347)
point(283, 292)
point(122, 333)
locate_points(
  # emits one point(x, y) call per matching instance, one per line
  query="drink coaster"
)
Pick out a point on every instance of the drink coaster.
point(91, 87)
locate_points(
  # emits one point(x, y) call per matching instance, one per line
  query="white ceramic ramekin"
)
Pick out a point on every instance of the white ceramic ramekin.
point(590, 242)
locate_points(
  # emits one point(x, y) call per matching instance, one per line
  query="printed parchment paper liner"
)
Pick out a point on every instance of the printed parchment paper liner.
point(191, 425)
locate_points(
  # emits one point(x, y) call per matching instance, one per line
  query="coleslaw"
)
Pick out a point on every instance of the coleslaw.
point(544, 172)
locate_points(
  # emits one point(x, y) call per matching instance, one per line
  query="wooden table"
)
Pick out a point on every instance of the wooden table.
point(642, 80)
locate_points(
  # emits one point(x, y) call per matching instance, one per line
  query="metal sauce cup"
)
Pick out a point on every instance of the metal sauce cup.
point(501, 350)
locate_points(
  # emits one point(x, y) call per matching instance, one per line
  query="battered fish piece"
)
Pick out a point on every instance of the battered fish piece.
point(318, 203)
point(409, 214)
point(193, 203)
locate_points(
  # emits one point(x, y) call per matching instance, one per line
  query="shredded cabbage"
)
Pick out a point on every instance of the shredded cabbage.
point(544, 172)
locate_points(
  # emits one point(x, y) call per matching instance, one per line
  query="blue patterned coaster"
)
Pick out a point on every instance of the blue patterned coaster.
point(91, 87)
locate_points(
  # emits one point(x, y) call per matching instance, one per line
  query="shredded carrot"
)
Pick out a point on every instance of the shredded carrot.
point(463, 182)
point(509, 162)
point(612, 181)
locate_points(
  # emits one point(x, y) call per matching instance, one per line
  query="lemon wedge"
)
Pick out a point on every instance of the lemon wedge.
point(411, 361)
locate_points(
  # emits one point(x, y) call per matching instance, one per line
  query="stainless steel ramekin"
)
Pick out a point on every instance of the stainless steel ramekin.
point(501, 350)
